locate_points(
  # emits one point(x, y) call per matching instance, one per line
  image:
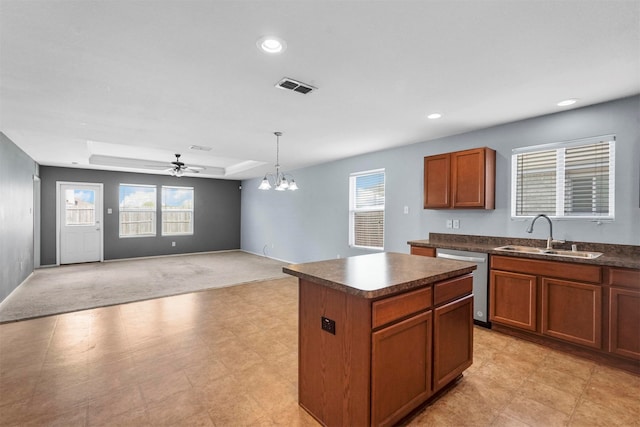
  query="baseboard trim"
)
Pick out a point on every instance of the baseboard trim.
point(14, 289)
point(266, 256)
point(171, 255)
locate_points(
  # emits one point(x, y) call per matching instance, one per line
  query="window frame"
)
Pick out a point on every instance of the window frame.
point(154, 223)
point(67, 209)
point(561, 177)
point(353, 210)
point(163, 210)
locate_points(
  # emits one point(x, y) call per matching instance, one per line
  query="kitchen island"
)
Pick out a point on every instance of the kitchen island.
point(380, 334)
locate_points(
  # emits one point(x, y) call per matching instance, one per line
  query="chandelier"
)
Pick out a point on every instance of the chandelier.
point(280, 180)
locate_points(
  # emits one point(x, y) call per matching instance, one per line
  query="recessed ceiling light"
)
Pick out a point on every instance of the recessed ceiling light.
point(271, 44)
point(434, 116)
point(567, 102)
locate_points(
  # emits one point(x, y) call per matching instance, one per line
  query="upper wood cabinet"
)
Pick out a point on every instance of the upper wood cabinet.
point(460, 180)
point(437, 181)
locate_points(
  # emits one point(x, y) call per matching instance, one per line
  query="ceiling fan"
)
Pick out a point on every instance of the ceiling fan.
point(178, 168)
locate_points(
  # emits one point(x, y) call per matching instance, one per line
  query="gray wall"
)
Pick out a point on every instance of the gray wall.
point(216, 220)
point(312, 224)
point(16, 215)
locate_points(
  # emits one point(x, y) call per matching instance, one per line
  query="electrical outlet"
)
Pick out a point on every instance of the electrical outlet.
point(109, 211)
point(329, 325)
point(456, 223)
point(173, 243)
point(449, 223)
point(406, 209)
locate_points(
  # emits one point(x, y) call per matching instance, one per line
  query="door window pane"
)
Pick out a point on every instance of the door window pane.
point(80, 207)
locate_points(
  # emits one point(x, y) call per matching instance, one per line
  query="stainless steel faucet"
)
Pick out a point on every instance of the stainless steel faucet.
point(550, 240)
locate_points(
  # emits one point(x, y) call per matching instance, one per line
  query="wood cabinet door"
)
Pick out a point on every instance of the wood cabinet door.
point(467, 178)
point(572, 311)
point(512, 299)
point(437, 177)
point(452, 340)
point(624, 322)
point(400, 368)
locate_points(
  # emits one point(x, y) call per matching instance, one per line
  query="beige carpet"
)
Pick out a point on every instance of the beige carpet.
point(82, 286)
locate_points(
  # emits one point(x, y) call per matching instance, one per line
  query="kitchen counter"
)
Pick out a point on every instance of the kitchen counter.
point(381, 334)
point(377, 275)
point(625, 256)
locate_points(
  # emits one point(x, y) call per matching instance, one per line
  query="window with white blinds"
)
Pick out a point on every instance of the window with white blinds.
point(366, 209)
point(572, 179)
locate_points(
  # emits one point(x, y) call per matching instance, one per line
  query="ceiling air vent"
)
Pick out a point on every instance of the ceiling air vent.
point(295, 86)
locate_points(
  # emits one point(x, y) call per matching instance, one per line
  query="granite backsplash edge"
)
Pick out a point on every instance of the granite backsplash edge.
point(610, 249)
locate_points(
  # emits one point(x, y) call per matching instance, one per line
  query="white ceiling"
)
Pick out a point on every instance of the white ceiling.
point(146, 79)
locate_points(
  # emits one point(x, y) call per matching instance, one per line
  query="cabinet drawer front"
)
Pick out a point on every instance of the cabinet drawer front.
point(452, 289)
point(394, 308)
point(623, 277)
point(560, 270)
point(419, 250)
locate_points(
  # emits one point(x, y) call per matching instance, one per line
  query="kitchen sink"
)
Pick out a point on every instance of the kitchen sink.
point(550, 252)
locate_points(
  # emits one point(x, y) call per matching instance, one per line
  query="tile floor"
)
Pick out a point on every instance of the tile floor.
point(228, 357)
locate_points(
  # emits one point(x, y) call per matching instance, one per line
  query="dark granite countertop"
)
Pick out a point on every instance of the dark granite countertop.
point(381, 274)
point(626, 256)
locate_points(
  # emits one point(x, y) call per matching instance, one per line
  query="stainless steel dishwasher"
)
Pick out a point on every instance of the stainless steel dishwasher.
point(480, 281)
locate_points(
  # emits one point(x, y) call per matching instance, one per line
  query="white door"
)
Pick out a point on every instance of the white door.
point(80, 222)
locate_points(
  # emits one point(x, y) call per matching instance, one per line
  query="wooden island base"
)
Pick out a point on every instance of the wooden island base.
point(372, 352)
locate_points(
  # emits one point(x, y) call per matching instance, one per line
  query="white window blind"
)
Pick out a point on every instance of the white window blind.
point(366, 209)
point(572, 179)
